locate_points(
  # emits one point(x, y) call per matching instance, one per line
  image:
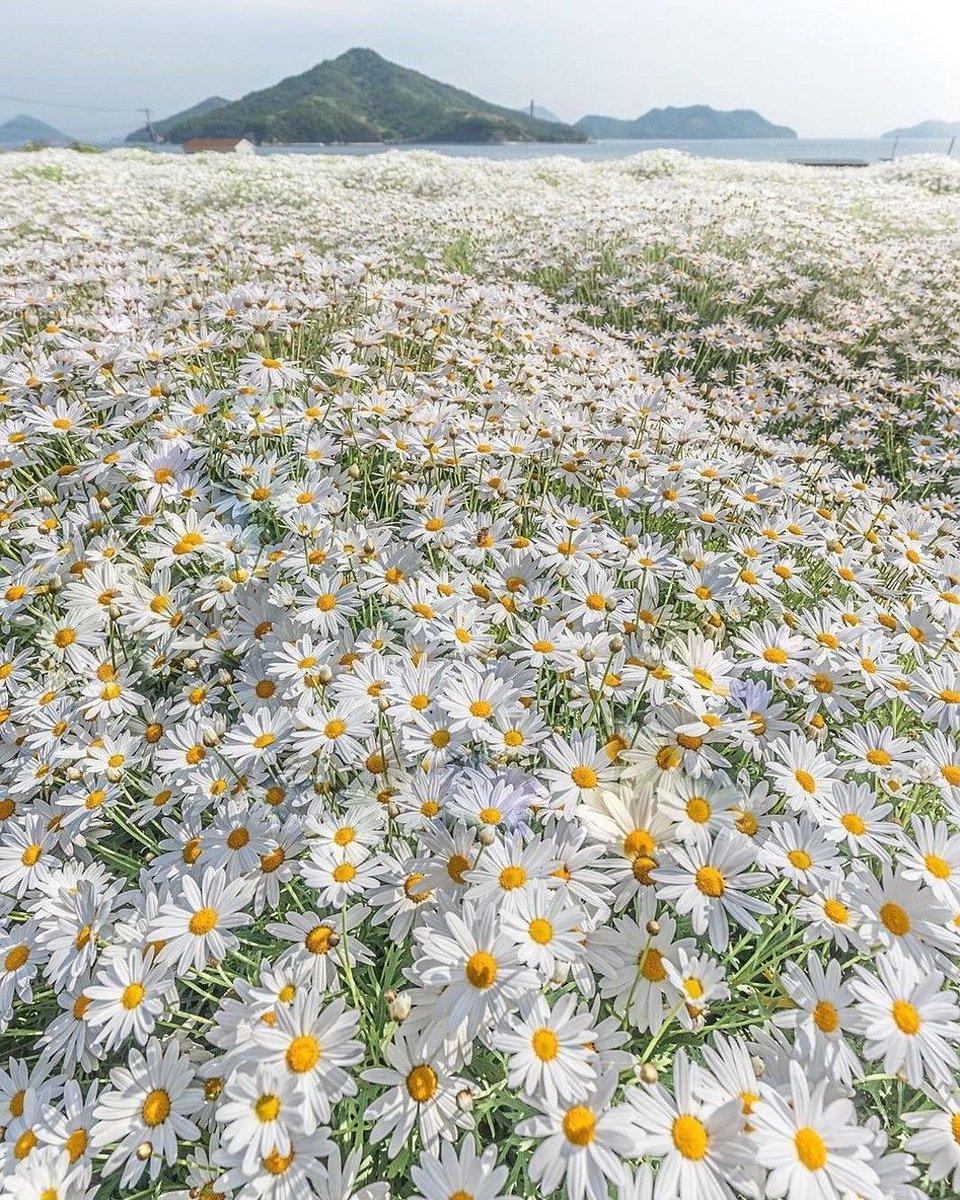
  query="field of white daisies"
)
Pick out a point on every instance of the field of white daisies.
point(479, 679)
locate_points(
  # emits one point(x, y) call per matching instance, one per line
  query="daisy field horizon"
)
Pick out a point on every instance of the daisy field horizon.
point(479, 678)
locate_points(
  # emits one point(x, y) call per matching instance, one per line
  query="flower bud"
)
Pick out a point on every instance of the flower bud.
point(399, 1007)
point(561, 973)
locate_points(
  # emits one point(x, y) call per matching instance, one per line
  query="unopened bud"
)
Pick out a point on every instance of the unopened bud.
point(105, 504)
point(211, 738)
point(399, 1008)
point(144, 1150)
point(647, 1073)
point(465, 1100)
point(324, 675)
point(353, 471)
point(653, 927)
point(487, 836)
point(561, 973)
point(191, 664)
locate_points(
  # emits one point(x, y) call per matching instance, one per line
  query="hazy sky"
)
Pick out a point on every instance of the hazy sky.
point(827, 67)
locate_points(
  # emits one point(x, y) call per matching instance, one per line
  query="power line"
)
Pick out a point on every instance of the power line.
point(57, 104)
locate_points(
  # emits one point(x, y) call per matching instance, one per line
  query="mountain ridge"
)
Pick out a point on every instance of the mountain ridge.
point(693, 121)
point(162, 127)
point(361, 97)
point(23, 128)
point(926, 129)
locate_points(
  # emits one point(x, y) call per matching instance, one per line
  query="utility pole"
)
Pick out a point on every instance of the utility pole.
point(151, 132)
point(531, 108)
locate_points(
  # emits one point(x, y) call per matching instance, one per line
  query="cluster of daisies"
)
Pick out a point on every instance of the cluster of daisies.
point(479, 681)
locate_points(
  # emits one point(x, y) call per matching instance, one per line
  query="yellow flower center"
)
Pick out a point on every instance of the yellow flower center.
point(512, 877)
point(422, 1083)
point(698, 810)
point(276, 1163)
point(481, 969)
point(806, 781)
point(317, 940)
point(836, 911)
point(540, 931)
point(810, 1148)
point(76, 1144)
point(579, 1125)
point(895, 918)
point(711, 882)
point(303, 1054)
point(545, 1044)
point(156, 1108)
point(203, 921)
point(690, 1136)
point(905, 1017)
point(938, 867)
point(267, 1108)
point(132, 996)
point(17, 957)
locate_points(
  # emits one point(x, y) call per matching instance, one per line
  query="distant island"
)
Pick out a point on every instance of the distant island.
point(162, 128)
point(927, 129)
point(361, 97)
point(695, 121)
point(19, 131)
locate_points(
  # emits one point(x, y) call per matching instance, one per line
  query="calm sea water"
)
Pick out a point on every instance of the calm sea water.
point(758, 149)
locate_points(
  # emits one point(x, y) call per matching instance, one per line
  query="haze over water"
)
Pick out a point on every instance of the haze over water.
point(756, 149)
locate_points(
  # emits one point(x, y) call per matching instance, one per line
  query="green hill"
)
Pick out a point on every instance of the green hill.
point(360, 97)
point(927, 129)
point(696, 121)
point(162, 128)
point(22, 129)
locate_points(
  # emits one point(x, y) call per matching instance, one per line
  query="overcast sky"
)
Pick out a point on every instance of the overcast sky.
point(844, 68)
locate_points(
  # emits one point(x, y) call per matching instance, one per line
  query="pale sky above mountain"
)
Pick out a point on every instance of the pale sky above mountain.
point(844, 68)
